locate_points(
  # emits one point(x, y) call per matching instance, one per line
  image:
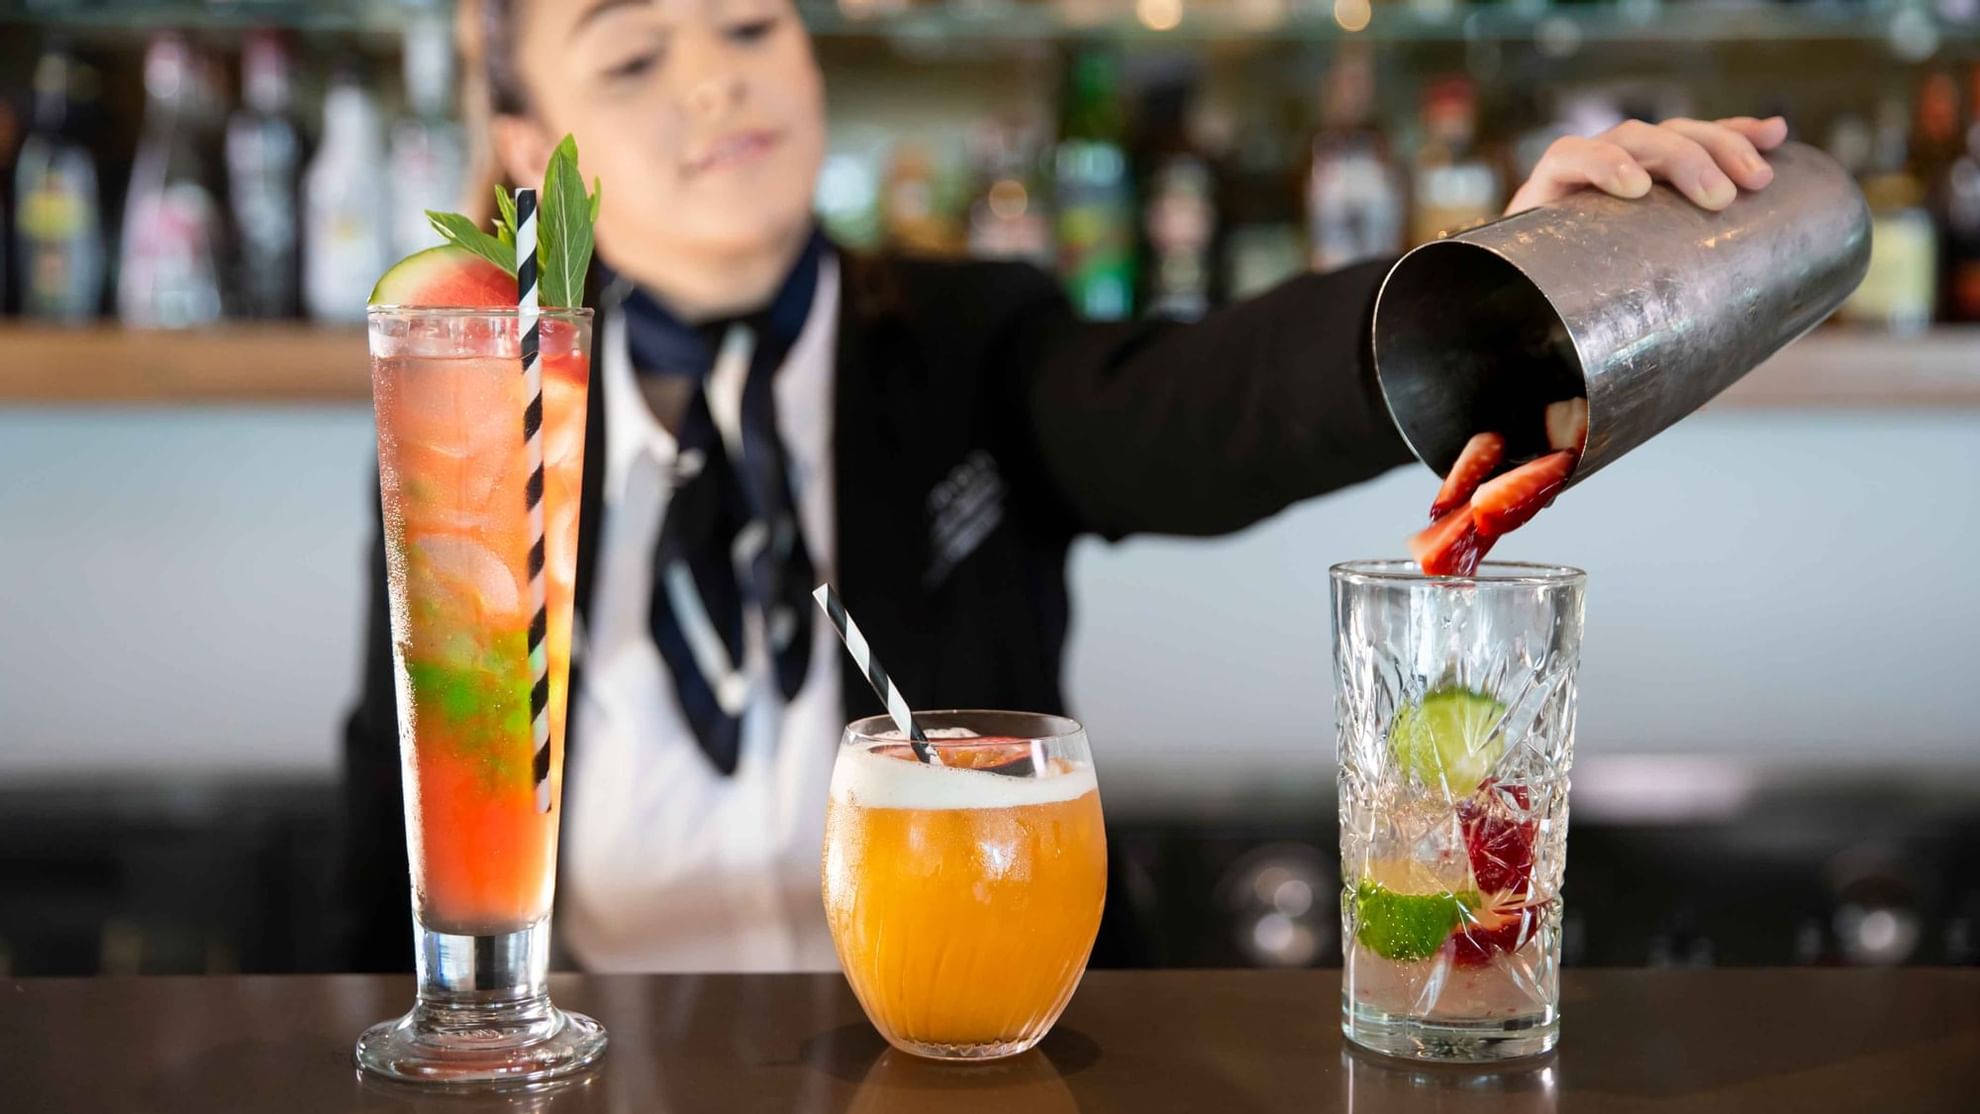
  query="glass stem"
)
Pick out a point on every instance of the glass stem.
point(475, 972)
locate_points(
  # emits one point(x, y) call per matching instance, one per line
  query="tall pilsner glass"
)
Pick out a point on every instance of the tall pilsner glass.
point(482, 804)
point(1456, 705)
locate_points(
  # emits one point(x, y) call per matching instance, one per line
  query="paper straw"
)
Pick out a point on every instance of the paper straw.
point(528, 317)
point(883, 686)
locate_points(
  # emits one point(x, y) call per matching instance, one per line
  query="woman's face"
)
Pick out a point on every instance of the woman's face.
point(704, 119)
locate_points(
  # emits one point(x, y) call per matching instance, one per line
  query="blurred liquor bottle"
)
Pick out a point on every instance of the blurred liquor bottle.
point(1898, 291)
point(1094, 202)
point(264, 174)
point(1936, 144)
point(58, 219)
point(1009, 216)
point(11, 126)
point(1960, 192)
point(174, 238)
point(346, 227)
point(1180, 192)
point(1456, 187)
point(914, 215)
point(848, 200)
point(1354, 194)
point(429, 151)
point(1265, 232)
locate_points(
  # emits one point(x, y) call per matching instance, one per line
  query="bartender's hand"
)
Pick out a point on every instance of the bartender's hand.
point(1703, 160)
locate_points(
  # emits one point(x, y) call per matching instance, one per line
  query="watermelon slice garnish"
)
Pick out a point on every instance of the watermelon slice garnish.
point(445, 276)
point(476, 269)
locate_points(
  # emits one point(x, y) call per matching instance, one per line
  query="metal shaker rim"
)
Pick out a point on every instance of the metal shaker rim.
point(1438, 386)
point(1648, 308)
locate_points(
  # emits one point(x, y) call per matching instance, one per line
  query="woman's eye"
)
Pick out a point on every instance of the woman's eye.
point(753, 30)
point(633, 67)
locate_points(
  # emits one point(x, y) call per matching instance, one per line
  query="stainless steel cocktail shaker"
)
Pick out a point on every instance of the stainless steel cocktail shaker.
point(1647, 307)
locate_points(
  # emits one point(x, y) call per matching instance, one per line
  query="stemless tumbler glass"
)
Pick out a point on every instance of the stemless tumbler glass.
point(480, 557)
point(963, 896)
point(1456, 703)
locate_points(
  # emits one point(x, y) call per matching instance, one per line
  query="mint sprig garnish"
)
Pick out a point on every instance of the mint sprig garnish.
point(564, 217)
point(505, 215)
point(564, 227)
point(468, 236)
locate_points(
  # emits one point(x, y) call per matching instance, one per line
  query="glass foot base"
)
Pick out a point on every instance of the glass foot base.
point(513, 1046)
point(995, 1050)
point(1451, 1042)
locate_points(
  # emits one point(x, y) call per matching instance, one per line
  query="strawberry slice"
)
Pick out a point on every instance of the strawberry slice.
point(1567, 424)
point(1450, 546)
point(1483, 934)
point(1480, 457)
point(1498, 837)
point(1503, 505)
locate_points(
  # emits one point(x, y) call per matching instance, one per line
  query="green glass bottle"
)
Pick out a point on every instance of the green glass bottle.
point(1094, 201)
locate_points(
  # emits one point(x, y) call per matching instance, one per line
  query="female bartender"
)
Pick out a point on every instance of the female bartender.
point(946, 430)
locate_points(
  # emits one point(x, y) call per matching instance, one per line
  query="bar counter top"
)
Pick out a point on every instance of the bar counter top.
point(1220, 1042)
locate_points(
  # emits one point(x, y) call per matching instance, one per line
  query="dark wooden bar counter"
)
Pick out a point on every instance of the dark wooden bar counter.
point(1217, 1042)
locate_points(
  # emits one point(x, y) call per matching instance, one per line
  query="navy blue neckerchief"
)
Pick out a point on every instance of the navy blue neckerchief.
point(732, 525)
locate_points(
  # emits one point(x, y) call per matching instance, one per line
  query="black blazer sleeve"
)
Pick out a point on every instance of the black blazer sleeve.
point(375, 928)
point(1204, 428)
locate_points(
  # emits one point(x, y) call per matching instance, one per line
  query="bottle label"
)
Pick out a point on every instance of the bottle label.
point(1096, 248)
point(169, 277)
point(1898, 288)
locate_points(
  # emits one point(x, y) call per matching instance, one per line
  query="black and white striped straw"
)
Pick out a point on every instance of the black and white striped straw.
point(528, 318)
point(883, 686)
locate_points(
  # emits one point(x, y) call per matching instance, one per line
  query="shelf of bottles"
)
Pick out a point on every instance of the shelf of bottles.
point(1909, 30)
point(236, 175)
point(1913, 27)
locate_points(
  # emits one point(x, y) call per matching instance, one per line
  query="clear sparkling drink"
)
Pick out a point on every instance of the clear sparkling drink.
point(1455, 703)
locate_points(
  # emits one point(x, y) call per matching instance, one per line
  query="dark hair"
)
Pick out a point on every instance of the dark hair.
point(506, 93)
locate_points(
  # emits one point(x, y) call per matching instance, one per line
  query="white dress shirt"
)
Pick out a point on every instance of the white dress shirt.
point(667, 864)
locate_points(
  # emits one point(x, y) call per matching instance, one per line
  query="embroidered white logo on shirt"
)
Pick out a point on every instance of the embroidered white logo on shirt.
point(963, 510)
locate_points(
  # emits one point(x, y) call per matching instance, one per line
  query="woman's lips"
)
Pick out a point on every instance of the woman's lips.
point(733, 150)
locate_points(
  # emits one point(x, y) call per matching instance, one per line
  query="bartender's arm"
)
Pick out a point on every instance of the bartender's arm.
point(1208, 427)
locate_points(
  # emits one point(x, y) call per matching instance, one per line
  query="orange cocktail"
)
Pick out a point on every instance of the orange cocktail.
point(963, 897)
point(453, 471)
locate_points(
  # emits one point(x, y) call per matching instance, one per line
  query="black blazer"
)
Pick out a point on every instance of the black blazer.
point(970, 398)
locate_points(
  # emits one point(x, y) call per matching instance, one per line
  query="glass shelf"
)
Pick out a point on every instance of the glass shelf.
point(1908, 27)
point(140, 17)
point(1911, 31)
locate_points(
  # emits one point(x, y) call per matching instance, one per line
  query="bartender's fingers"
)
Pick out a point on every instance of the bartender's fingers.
point(1671, 156)
point(1733, 151)
point(1694, 156)
point(1575, 162)
point(1765, 134)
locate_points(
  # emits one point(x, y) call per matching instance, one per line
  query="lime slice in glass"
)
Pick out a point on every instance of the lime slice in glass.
point(1449, 739)
point(1406, 927)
